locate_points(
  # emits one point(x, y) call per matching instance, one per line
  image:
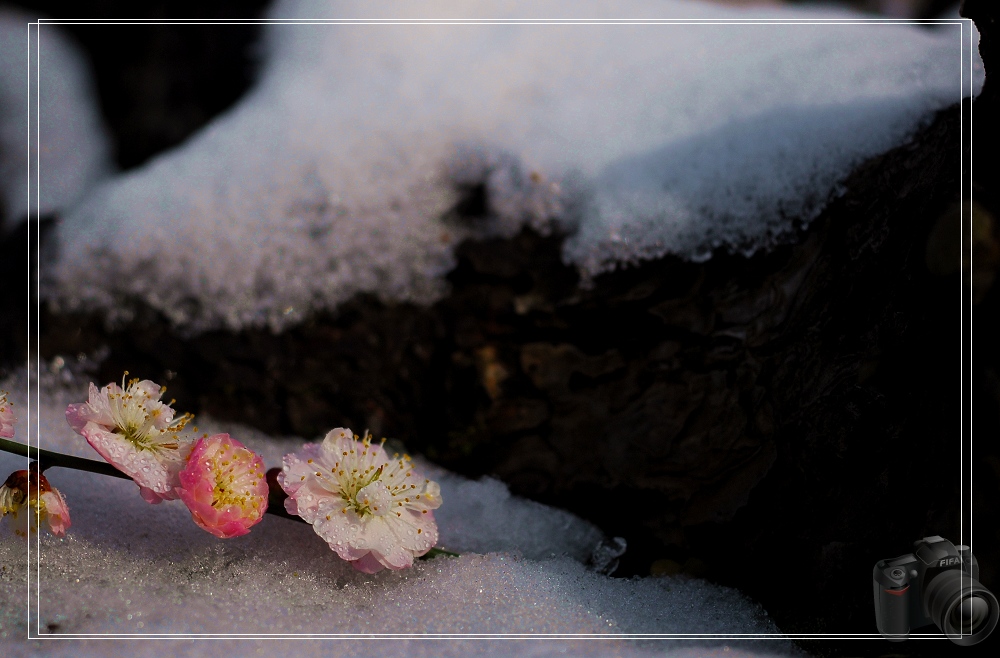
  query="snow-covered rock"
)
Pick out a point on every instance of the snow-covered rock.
point(337, 172)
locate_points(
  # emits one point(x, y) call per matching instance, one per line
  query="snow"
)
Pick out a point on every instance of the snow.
point(127, 568)
point(336, 173)
point(75, 152)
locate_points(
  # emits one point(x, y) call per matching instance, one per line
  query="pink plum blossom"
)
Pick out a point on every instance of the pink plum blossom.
point(372, 510)
point(223, 485)
point(7, 419)
point(136, 433)
point(30, 505)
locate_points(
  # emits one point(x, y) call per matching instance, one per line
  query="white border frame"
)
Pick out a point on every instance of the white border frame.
point(34, 168)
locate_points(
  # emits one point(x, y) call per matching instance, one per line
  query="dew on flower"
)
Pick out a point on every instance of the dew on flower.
point(223, 486)
point(378, 521)
point(133, 430)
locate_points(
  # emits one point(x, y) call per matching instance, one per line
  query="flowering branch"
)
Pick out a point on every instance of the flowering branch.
point(48, 459)
point(373, 510)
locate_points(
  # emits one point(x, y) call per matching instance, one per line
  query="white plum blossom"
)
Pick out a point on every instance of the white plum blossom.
point(137, 433)
point(373, 510)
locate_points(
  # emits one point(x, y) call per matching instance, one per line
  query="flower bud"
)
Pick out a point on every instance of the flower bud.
point(29, 500)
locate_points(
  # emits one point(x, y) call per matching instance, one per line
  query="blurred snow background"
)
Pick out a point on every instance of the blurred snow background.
point(75, 151)
point(336, 174)
point(128, 568)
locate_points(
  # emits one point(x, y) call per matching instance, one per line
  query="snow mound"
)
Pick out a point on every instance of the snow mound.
point(129, 569)
point(340, 172)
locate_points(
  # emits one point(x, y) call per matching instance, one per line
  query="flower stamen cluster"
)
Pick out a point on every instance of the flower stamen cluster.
point(137, 433)
point(223, 486)
point(142, 419)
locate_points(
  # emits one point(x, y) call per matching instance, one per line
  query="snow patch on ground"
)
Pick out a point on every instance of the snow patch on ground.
point(128, 568)
point(338, 173)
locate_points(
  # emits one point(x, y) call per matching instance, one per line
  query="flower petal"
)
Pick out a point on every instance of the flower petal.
point(338, 527)
point(368, 564)
point(56, 512)
point(296, 469)
point(159, 477)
